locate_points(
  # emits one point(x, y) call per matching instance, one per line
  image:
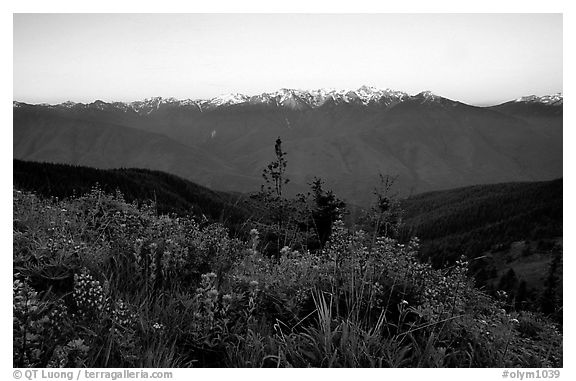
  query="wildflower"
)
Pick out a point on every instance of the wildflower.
point(157, 326)
point(211, 275)
point(88, 294)
point(254, 237)
point(227, 298)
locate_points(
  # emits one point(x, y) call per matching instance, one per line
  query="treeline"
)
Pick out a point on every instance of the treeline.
point(171, 194)
point(476, 219)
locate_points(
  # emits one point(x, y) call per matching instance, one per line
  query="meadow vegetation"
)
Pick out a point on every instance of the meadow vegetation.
point(102, 282)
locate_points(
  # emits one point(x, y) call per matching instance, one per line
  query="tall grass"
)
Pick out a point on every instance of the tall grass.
point(99, 282)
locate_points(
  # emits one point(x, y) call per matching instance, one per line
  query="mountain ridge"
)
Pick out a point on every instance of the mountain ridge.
point(289, 98)
point(430, 142)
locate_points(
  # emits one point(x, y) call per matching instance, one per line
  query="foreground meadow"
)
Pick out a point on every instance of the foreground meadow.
point(99, 282)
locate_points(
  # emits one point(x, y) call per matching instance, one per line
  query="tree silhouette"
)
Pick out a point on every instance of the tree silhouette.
point(327, 209)
point(274, 173)
point(549, 299)
point(278, 210)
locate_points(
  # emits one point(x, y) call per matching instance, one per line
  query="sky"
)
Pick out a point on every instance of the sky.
point(478, 59)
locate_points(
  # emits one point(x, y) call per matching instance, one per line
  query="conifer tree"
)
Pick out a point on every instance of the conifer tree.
point(274, 173)
point(276, 208)
point(521, 295)
point(326, 210)
point(386, 214)
point(549, 300)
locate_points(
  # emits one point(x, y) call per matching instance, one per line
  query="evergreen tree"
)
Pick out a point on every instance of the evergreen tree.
point(549, 299)
point(508, 282)
point(325, 211)
point(386, 214)
point(274, 173)
point(278, 211)
point(521, 295)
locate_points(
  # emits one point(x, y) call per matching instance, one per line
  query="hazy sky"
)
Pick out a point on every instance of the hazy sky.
point(474, 58)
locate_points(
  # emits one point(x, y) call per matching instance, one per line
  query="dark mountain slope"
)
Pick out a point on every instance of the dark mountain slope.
point(511, 234)
point(51, 136)
point(476, 219)
point(543, 118)
point(172, 194)
point(430, 142)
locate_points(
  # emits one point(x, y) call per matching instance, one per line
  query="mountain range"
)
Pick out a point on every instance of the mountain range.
point(345, 137)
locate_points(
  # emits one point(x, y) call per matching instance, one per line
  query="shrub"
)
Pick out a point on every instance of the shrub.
point(99, 282)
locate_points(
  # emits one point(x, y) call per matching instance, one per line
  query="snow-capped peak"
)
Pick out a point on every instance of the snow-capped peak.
point(68, 104)
point(366, 95)
point(370, 94)
point(549, 100)
point(150, 104)
point(147, 104)
point(428, 96)
point(288, 98)
point(228, 99)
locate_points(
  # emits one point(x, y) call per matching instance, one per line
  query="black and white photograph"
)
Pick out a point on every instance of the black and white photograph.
point(287, 190)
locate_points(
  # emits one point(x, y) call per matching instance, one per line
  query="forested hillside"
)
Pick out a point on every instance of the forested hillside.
point(511, 233)
point(170, 193)
point(474, 219)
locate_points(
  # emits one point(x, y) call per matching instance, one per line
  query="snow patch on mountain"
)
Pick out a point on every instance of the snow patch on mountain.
point(68, 104)
point(549, 100)
point(367, 96)
point(228, 100)
point(427, 96)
